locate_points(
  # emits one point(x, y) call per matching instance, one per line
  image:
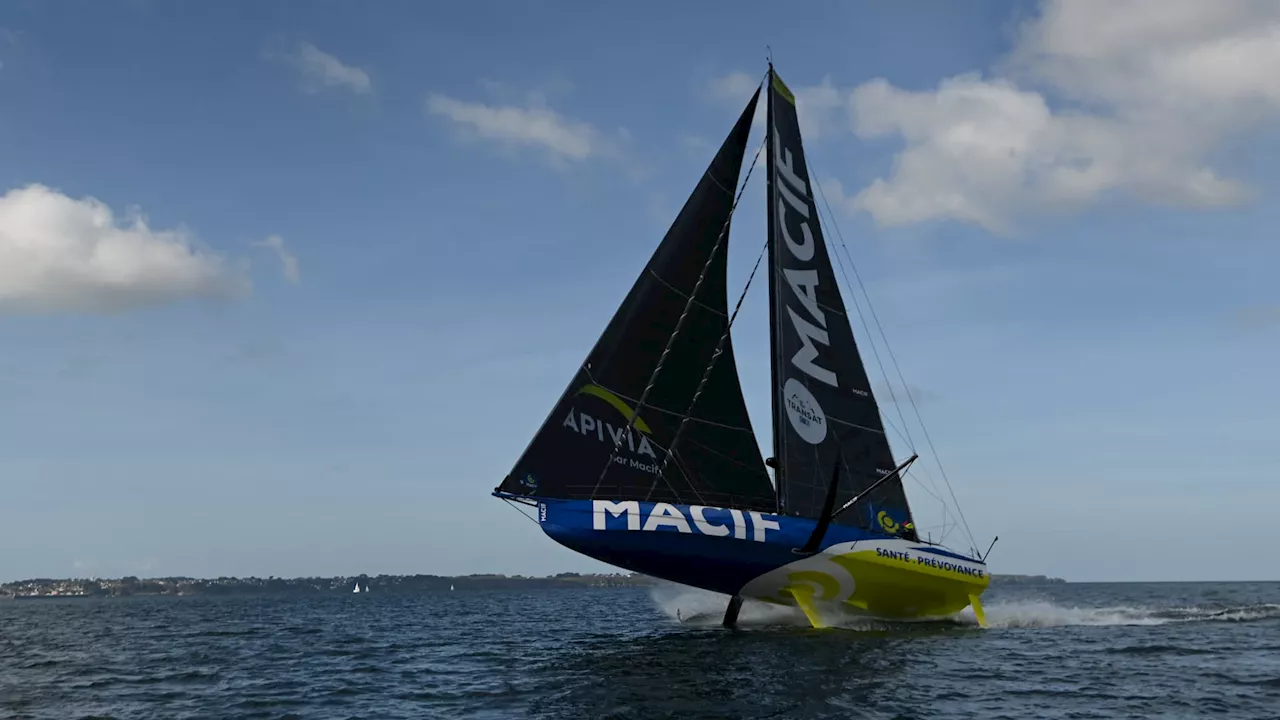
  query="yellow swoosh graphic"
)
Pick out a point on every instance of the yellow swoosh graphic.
point(830, 587)
point(616, 402)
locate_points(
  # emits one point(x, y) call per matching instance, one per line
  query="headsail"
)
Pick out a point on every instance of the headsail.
point(718, 460)
point(823, 408)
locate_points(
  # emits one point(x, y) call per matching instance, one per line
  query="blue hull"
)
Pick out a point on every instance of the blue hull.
point(710, 548)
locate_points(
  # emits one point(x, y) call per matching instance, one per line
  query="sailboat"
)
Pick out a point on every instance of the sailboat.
point(648, 460)
point(357, 588)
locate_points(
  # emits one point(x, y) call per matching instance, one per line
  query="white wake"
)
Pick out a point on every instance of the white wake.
point(694, 607)
point(1044, 613)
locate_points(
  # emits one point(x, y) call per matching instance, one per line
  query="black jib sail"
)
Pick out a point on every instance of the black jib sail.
point(589, 447)
point(823, 408)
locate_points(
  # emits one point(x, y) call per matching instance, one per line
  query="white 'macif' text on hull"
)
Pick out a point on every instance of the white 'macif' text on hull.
point(667, 516)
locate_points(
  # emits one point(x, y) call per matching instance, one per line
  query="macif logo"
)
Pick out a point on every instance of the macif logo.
point(665, 517)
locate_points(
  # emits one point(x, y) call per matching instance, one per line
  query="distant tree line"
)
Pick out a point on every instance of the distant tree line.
point(395, 584)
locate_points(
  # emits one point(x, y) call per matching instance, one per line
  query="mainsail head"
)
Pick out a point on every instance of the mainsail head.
point(824, 410)
point(599, 442)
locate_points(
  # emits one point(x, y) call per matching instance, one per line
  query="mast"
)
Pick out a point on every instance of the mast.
point(779, 476)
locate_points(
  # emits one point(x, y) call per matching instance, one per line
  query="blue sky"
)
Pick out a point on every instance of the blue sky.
point(285, 288)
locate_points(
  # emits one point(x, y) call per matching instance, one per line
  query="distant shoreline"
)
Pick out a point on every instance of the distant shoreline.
point(45, 588)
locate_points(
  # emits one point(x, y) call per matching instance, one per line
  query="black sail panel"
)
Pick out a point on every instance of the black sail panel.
point(717, 460)
point(824, 410)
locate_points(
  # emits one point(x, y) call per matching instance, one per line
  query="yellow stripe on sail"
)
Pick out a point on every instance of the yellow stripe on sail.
point(782, 89)
point(616, 402)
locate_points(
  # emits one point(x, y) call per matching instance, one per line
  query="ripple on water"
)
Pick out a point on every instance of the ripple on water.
point(1056, 652)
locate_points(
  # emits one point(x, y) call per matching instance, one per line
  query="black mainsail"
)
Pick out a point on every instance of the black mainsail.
point(597, 442)
point(824, 412)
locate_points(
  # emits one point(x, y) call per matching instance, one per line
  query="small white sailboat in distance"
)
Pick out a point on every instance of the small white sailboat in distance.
point(357, 588)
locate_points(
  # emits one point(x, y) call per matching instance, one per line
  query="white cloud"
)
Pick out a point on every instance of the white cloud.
point(735, 87)
point(1096, 97)
point(60, 254)
point(814, 103)
point(288, 261)
point(321, 70)
point(536, 126)
point(1150, 89)
point(733, 91)
point(986, 152)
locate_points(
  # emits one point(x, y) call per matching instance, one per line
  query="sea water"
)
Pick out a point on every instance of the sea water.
point(1053, 651)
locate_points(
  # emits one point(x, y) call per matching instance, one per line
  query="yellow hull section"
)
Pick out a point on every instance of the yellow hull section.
point(889, 579)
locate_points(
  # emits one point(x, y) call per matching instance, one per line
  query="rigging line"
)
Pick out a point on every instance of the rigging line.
point(675, 290)
point(906, 437)
point(744, 465)
point(893, 358)
point(706, 374)
point(942, 502)
point(706, 267)
point(928, 482)
point(932, 492)
point(522, 513)
point(905, 432)
point(858, 306)
point(684, 475)
point(668, 411)
point(830, 220)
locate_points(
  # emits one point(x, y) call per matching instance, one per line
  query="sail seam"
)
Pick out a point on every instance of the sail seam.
point(704, 421)
point(653, 377)
point(667, 411)
point(706, 374)
point(719, 184)
point(856, 426)
point(676, 290)
point(713, 451)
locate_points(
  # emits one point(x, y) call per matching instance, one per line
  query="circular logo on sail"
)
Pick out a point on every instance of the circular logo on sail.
point(804, 412)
